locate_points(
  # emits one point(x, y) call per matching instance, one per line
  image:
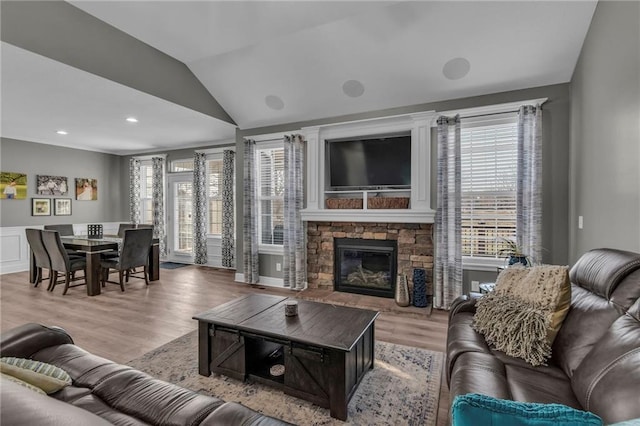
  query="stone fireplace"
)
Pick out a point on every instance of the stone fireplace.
point(413, 241)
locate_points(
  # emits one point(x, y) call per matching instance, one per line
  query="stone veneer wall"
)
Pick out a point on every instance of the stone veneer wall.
point(415, 247)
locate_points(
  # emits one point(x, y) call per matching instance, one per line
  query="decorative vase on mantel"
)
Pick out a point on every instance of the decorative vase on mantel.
point(402, 291)
point(419, 288)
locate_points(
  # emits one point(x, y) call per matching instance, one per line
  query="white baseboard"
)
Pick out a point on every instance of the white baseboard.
point(266, 281)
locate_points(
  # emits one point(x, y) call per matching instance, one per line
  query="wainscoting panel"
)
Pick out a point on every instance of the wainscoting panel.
point(14, 250)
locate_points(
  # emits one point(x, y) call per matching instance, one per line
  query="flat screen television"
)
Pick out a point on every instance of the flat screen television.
point(374, 162)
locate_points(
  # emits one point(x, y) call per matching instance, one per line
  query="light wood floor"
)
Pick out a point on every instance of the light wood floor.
point(123, 326)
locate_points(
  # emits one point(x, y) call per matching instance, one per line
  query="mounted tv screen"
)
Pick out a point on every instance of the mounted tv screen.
point(374, 162)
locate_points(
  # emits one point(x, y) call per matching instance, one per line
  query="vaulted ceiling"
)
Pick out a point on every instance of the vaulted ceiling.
point(260, 63)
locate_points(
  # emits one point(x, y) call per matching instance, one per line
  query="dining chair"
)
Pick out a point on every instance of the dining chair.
point(64, 230)
point(134, 252)
point(62, 262)
point(124, 226)
point(40, 255)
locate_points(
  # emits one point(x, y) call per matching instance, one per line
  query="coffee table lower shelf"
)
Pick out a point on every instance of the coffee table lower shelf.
point(324, 376)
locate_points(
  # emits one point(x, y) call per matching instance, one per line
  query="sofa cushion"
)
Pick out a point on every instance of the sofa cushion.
point(601, 270)
point(95, 405)
point(232, 413)
point(608, 379)
point(522, 315)
point(45, 376)
point(528, 384)
point(475, 372)
point(154, 401)
point(461, 338)
point(474, 409)
point(588, 319)
point(21, 406)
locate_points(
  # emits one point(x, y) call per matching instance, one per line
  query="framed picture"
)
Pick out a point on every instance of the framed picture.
point(62, 206)
point(41, 207)
point(51, 185)
point(13, 186)
point(86, 189)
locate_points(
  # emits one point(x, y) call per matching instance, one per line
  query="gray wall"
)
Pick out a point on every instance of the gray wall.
point(39, 159)
point(555, 162)
point(605, 132)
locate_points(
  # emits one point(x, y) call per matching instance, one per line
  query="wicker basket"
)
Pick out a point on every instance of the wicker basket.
point(344, 203)
point(388, 203)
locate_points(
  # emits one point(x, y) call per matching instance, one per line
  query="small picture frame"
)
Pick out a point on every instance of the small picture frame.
point(62, 206)
point(41, 207)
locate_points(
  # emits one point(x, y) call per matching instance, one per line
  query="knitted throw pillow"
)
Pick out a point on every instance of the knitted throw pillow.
point(522, 316)
point(45, 376)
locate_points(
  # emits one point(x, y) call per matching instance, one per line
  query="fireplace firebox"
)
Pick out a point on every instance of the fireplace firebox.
point(365, 266)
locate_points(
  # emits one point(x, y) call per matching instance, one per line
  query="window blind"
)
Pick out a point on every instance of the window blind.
point(270, 174)
point(489, 163)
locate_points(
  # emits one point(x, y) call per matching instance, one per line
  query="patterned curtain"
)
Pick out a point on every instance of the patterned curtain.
point(529, 191)
point(295, 273)
point(228, 237)
point(448, 267)
point(199, 212)
point(250, 226)
point(134, 190)
point(157, 183)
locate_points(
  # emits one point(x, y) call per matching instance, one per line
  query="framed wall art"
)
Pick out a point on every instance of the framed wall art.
point(86, 189)
point(51, 185)
point(62, 206)
point(41, 207)
point(13, 186)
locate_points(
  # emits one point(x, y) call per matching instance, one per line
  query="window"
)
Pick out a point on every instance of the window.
point(146, 192)
point(214, 168)
point(270, 163)
point(182, 165)
point(489, 165)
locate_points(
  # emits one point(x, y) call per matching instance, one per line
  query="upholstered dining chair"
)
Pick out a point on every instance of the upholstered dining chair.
point(134, 252)
point(61, 262)
point(123, 227)
point(63, 230)
point(40, 255)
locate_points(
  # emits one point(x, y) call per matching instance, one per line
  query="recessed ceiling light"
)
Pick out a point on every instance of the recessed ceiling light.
point(456, 68)
point(132, 119)
point(62, 132)
point(274, 102)
point(353, 88)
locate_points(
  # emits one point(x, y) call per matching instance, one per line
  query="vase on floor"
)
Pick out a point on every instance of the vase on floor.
point(419, 288)
point(402, 291)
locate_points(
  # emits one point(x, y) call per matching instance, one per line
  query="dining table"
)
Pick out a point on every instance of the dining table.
point(93, 248)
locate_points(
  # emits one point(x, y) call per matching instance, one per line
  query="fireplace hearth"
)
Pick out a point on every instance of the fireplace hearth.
point(365, 266)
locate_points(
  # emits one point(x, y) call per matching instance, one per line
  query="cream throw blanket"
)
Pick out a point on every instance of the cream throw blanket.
point(522, 316)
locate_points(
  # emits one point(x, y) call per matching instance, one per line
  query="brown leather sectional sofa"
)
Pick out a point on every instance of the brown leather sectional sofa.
point(104, 392)
point(595, 363)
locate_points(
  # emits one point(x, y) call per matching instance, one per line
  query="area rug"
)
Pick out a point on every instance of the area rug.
point(172, 265)
point(402, 389)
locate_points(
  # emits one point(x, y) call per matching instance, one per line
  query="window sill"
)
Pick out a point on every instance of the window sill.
point(475, 264)
point(270, 249)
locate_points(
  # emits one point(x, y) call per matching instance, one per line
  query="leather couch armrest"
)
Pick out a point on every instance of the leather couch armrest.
point(464, 303)
point(27, 339)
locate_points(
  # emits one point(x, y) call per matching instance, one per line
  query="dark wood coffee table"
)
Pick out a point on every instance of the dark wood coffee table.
point(325, 349)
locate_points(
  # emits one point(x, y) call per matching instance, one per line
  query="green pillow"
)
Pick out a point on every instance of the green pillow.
point(475, 409)
point(45, 376)
point(21, 383)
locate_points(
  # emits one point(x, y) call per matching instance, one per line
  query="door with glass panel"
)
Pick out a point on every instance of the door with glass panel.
point(180, 218)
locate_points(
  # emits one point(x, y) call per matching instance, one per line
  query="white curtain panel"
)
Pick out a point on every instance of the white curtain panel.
point(250, 259)
point(199, 212)
point(295, 272)
point(157, 183)
point(134, 190)
point(448, 266)
point(228, 228)
point(529, 190)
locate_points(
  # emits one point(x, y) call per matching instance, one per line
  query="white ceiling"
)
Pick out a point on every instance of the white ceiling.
point(302, 53)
